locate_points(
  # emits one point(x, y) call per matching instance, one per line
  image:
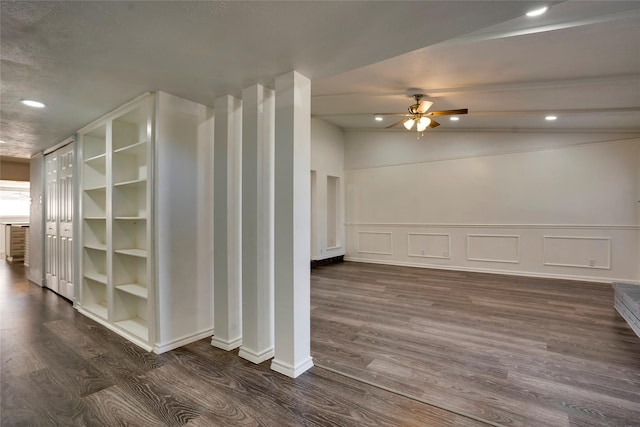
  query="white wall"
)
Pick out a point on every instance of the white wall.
point(183, 218)
point(327, 159)
point(558, 205)
point(36, 225)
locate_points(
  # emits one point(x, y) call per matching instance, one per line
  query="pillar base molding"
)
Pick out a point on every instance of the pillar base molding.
point(252, 356)
point(291, 371)
point(226, 345)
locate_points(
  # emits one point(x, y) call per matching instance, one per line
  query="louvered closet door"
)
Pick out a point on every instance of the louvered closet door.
point(51, 220)
point(65, 221)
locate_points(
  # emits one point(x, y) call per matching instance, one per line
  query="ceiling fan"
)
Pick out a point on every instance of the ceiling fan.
point(419, 116)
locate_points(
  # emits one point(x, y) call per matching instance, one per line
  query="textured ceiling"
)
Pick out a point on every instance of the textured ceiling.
point(580, 60)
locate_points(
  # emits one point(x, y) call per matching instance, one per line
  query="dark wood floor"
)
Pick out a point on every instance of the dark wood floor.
point(511, 350)
point(59, 368)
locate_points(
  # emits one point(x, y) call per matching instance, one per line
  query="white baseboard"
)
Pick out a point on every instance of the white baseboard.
point(129, 337)
point(252, 356)
point(179, 342)
point(226, 345)
point(292, 371)
point(607, 280)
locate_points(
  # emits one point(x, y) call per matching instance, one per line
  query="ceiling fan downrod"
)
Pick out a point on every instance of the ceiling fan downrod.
point(413, 109)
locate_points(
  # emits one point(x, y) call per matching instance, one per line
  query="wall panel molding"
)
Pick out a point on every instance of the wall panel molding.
point(501, 226)
point(493, 248)
point(584, 254)
point(577, 251)
point(606, 281)
point(373, 242)
point(433, 243)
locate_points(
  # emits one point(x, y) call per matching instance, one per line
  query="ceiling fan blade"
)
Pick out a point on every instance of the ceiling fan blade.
point(448, 112)
point(433, 124)
point(396, 123)
point(424, 106)
point(393, 114)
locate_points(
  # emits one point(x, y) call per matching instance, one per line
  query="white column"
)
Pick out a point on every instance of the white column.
point(292, 225)
point(227, 233)
point(257, 223)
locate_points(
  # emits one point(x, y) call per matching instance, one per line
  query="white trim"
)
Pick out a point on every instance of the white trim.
point(376, 232)
point(226, 345)
point(59, 145)
point(289, 370)
point(507, 226)
point(597, 267)
point(619, 131)
point(112, 113)
point(428, 256)
point(179, 342)
point(121, 332)
point(604, 280)
point(516, 236)
point(252, 356)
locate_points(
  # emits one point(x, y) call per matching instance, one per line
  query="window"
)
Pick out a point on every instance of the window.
point(14, 199)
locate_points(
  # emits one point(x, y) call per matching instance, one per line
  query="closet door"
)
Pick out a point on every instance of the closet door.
point(51, 221)
point(58, 251)
point(65, 221)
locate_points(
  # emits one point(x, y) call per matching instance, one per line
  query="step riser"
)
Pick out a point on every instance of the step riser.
point(627, 303)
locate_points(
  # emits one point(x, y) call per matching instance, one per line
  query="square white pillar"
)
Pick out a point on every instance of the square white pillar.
point(227, 233)
point(292, 225)
point(257, 223)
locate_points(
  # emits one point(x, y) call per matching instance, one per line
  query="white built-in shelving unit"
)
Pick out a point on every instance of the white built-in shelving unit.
point(117, 233)
point(94, 222)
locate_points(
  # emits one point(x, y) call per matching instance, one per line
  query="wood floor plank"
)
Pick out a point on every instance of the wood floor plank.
point(169, 408)
point(114, 406)
point(510, 350)
point(496, 347)
point(214, 402)
point(43, 398)
point(74, 339)
point(74, 371)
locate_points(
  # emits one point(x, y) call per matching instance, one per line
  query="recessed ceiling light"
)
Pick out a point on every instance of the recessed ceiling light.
point(551, 118)
point(31, 103)
point(454, 119)
point(2, 142)
point(537, 12)
point(378, 119)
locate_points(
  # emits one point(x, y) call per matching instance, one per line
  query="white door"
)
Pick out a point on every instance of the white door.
point(65, 221)
point(51, 221)
point(59, 221)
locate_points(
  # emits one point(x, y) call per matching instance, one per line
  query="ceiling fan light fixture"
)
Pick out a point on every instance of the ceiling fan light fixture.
point(454, 118)
point(537, 12)
point(408, 124)
point(423, 123)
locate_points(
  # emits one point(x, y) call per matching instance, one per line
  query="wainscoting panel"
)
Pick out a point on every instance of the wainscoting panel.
point(429, 245)
point(375, 242)
point(564, 251)
point(493, 248)
point(578, 251)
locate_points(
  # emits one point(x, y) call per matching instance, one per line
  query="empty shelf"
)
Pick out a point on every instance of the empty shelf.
point(99, 309)
point(97, 277)
point(96, 246)
point(140, 253)
point(133, 289)
point(135, 326)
